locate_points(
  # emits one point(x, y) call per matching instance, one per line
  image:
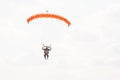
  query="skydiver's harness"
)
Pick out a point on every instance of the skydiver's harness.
point(46, 49)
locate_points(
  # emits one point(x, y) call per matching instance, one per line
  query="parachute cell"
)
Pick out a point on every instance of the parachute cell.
point(42, 15)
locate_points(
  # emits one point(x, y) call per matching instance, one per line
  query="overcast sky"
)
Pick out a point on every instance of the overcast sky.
point(87, 50)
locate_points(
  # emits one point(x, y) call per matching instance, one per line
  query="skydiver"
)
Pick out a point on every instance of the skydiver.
point(46, 51)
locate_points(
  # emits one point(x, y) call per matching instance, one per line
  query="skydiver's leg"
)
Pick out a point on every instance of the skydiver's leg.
point(45, 56)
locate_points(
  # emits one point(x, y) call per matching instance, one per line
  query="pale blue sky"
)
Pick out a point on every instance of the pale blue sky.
point(87, 50)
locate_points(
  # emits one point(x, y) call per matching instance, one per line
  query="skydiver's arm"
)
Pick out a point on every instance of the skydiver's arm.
point(50, 49)
point(43, 48)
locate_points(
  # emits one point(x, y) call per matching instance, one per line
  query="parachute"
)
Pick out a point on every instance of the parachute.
point(46, 15)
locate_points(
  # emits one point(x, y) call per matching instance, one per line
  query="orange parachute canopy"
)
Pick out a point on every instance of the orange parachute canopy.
point(42, 15)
